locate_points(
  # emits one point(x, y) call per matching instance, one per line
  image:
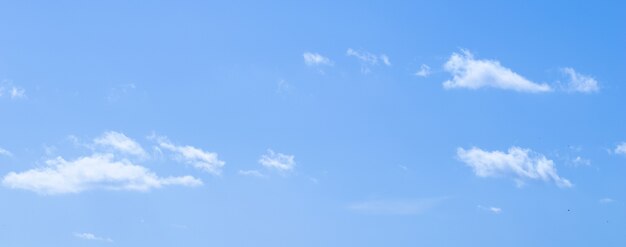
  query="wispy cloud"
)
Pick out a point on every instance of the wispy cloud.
point(118, 92)
point(283, 87)
point(316, 59)
point(278, 161)
point(424, 71)
point(606, 200)
point(396, 207)
point(98, 171)
point(580, 83)
point(578, 161)
point(518, 162)
point(121, 143)
point(196, 157)
point(468, 72)
point(4, 152)
point(385, 59)
point(93, 237)
point(251, 173)
point(494, 210)
point(368, 59)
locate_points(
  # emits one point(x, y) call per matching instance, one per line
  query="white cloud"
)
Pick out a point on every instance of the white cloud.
point(368, 59)
point(473, 73)
point(424, 71)
point(517, 162)
point(278, 161)
point(98, 171)
point(494, 210)
point(579, 82)
point(120, 142)
point(395, 207)
point(91, 236)
point(4, 152)
point(251, 173)
point(385, 59)
point(314, 59)
point(17, 93)
point(14, 92)
point(621, 148)
point(206, 161)
point(581, 161)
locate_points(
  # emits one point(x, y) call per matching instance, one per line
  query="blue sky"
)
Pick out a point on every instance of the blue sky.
point(325, 123)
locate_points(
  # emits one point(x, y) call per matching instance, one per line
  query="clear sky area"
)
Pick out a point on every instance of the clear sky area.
point(312, 123)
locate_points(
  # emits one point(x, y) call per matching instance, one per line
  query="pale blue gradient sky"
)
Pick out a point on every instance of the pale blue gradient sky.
point(374, 145)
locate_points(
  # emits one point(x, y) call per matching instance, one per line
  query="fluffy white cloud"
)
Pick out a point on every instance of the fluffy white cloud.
point(621, 148)
point(98, 171)
point(4, 152)
point(206, 161)
point(424, 71)
point(120, 142)
point(579, 82)
point(471, 73)
point(91, 236)
point(278, 161)
point(396, 207)
point(518, 162)
point(313, 59)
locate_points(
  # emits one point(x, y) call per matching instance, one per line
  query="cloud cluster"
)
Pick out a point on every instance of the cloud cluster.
point(471, 73)
point(522, 164)
point(108, 167)
point(113, 165)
